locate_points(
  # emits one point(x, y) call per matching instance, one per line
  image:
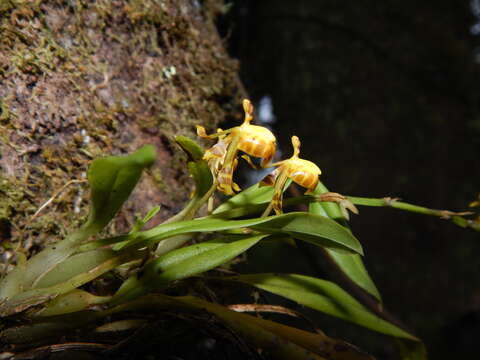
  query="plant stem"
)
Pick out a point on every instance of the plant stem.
point(456, 217)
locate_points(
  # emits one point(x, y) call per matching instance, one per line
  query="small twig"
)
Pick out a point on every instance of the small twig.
point(56, 194)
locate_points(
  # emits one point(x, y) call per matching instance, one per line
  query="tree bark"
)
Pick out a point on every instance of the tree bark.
point(83, 79)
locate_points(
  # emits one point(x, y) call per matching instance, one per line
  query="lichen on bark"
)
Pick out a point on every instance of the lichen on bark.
point(81, 79)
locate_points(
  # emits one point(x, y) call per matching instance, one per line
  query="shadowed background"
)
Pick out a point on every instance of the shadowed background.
point(384, 96)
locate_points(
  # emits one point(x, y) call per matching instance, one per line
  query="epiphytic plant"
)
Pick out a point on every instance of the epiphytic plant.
point(49, 294)
point(254, 140)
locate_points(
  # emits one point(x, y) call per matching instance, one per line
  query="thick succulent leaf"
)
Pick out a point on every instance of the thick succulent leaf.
point(351, 265)
point(313, 228)
point(323, 296)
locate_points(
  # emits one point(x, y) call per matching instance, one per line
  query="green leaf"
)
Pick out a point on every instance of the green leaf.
point(178, 255)
point(323, 296)
point(353, 267)
point(74, 301)
point(140, 223)
point(75, 265)
point(194, 260)
point(192, 149)
point(41, 329)
point(312, 228)
point(252, 200)
point(350, 264)
point(112, 179)
point(25, 300)
point(202, 176)
point(171, 258)
point(411, 350)
point(255, 194)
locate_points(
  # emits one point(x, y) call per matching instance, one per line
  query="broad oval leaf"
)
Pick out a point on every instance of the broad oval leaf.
point(112, 179)
point(323, 296)
point(350, 264)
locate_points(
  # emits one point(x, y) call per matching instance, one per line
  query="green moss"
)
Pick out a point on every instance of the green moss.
point(95, 78)
point(158, 179)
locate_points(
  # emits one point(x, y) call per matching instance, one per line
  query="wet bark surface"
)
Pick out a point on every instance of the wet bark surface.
point(84, 79)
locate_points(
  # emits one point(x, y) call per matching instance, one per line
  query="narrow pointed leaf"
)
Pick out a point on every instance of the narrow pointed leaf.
point(29, 298)
point(192, 149)
point(253, 195)
point(313, 228)
point(254, 198)
point(350, 264)
point(193, 261)
point(411, 350)
point(74, 301)
point(323, 296)
point(75, 265)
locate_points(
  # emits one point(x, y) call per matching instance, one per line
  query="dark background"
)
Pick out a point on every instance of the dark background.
point(384, 96)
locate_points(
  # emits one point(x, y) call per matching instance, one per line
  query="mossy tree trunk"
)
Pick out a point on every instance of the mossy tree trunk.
point(82, 79)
